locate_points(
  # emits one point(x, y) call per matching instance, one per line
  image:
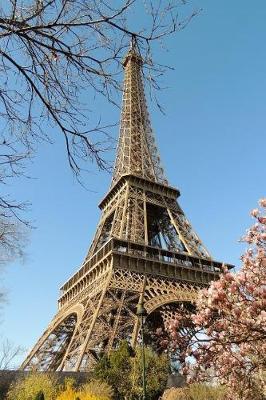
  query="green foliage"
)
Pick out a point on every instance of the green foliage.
point(157, 369)
point(124, 372)
point(39, 396)
point(98, 388)
point(196, 392)
point(67, 391)
point(204, 392)
point(175, 394)
point(121, 371)
point(115, 369)
point(41, 386)
point(95, 390)
point(31, 386)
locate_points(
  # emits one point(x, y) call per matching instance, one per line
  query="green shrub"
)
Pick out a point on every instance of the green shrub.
point(31, 386)
point(175, 394)
point(95, 390)
point(195, 392)
point(198, 391)
point(39, 396)
point(98, 388)
point(157, 369)
point(123, 372)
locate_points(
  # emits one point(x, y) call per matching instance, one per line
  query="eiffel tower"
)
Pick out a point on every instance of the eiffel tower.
point(144, 249)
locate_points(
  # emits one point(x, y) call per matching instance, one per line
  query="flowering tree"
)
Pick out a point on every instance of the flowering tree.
point(228, 338)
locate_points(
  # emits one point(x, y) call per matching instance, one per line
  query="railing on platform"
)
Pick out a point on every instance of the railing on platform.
point(145, 252)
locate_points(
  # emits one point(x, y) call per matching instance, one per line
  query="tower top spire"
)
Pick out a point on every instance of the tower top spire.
point(133, 43)
point(133, 53)
point(137, 152)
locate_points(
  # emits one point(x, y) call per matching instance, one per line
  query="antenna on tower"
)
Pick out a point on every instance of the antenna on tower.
point(133, 42)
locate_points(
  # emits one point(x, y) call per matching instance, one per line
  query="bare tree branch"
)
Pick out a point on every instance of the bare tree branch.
point(8, 354)
point(51, 51)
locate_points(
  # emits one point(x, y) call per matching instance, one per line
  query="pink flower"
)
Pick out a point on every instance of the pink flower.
point(241, 277)
point(237, 312)
point(254, 212)
point(250, 252)
point(185, 370)
point(207, 312)
point(262, 202)
point(263, 314)
point(159, 331)
point(164, 343)
point(261, 253)
point(228, 277)
point(250, 287)
point(224, 268)
point(262, 220)
point(198, 320)
point(262, 236)
point(234, 288)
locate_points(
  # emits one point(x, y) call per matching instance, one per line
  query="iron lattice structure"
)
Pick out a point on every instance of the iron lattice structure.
point(144, 249)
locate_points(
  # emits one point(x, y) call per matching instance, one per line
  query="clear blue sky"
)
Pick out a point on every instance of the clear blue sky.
point(212, 144)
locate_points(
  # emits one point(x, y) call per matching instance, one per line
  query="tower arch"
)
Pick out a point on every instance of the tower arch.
point(50, 350)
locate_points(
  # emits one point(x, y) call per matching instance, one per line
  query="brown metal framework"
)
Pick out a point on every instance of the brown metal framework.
point(144, 249)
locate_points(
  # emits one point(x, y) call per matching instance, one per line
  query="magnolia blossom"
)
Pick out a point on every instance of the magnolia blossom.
point(227, 338)
point(262, 202)
point(255, 212)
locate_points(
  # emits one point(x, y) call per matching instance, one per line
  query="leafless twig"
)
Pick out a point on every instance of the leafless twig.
point(53, 50)
point(8, 354)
